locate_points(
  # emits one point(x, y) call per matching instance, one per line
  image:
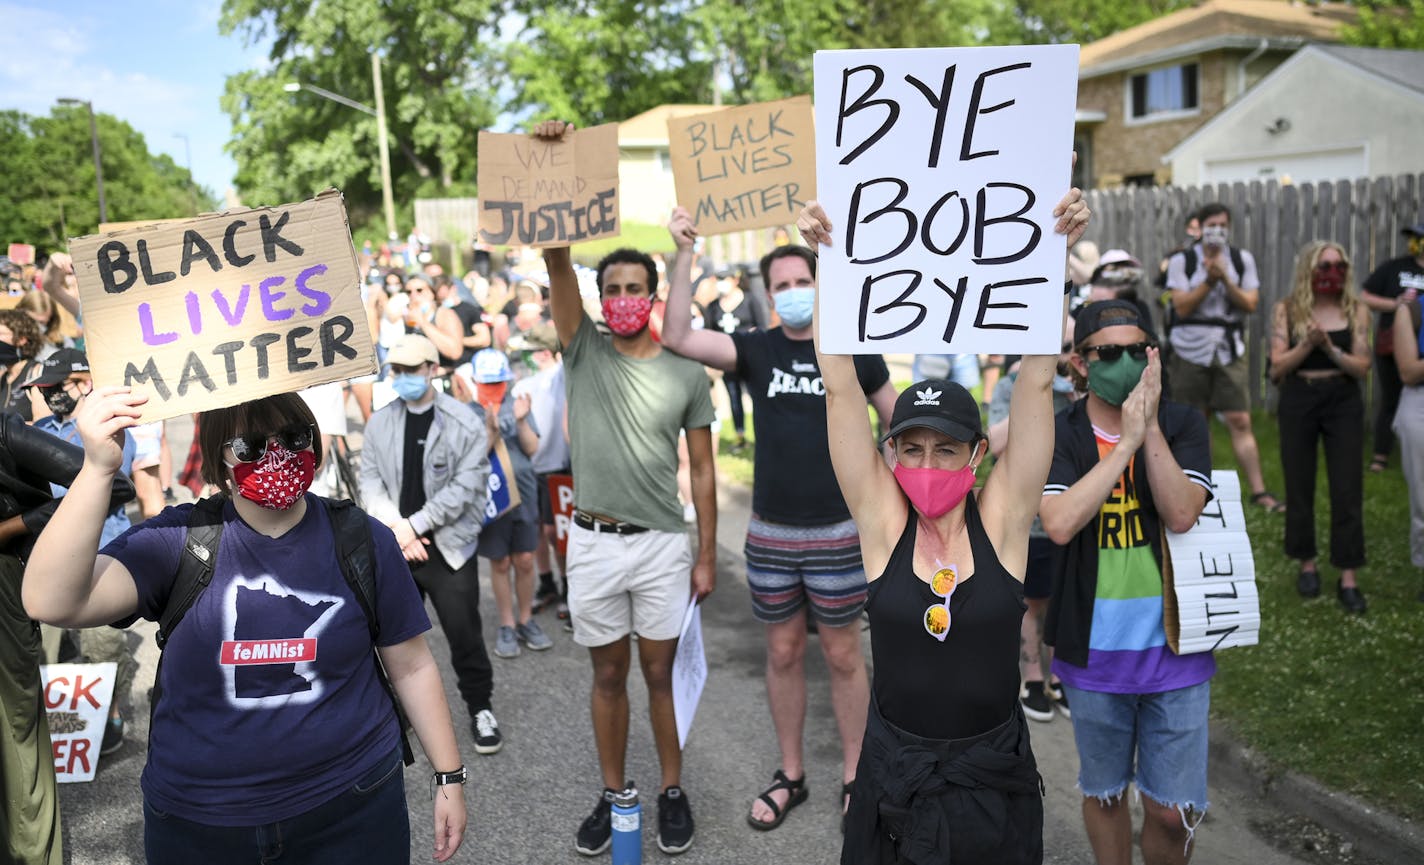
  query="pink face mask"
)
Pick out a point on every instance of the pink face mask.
point(935, 492)
point(627, 315)
point(278, 479)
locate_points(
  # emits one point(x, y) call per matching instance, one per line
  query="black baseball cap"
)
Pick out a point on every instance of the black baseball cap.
point(58, 367)
point(938, 404)
point(1416, 230)
point(1095, 316)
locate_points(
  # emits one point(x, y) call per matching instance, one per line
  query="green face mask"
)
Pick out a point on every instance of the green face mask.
point(1112, 382)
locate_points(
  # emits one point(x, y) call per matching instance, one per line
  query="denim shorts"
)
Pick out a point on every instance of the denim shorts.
point(1158, 741)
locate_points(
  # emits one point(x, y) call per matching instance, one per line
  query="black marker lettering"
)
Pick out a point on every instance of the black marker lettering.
point(975, 111)
point(901, 190)
point(892, 110)
point(869, 285)
point(196, 248)
point(230, 244)
point(114, 261)
point(980, 223)
point(940, 103)
point(272, 236)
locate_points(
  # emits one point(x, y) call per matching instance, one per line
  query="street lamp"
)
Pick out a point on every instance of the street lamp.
point(379, 112)
point(188, 152)
point(98, 165)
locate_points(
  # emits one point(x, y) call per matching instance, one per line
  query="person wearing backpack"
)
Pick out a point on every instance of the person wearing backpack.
point(272, 729)
point(1214, 287)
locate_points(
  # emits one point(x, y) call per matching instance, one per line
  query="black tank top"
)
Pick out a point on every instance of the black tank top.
point(1318, 359)
point(469, 315)
point(969, 683)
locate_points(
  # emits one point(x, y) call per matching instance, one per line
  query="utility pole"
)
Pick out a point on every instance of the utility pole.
point(98, 162)
point(387, 199)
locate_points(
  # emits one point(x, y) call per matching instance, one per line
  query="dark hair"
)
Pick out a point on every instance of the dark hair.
point(628, 255)
point(24, 328)
point(216, 427)
point(1213, 209)
point(1190, 217)
point(800, 252)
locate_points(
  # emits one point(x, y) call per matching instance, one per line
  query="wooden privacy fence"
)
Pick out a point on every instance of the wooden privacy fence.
point(1272, 221)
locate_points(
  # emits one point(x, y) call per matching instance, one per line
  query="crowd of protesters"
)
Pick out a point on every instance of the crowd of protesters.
point(1024, 552)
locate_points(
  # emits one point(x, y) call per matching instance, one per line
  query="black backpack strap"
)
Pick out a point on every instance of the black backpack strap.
point(356, 553)
point(195, 568)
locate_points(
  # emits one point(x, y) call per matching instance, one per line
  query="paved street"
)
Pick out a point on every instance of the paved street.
point(526, 802)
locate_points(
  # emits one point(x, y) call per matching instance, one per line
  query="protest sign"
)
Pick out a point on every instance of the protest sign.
point(542, 193)
point(503, 491)
point(76, 698)
point(751, 166)
point(939, 169)
point(561, 495)
point(21, 253)
point(1209, 598)
point(689, 671)
point(225, 307)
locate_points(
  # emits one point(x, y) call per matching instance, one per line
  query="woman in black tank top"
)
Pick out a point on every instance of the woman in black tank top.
point(946, 772)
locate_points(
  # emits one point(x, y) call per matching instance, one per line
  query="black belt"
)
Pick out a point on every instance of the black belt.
point(584, 521)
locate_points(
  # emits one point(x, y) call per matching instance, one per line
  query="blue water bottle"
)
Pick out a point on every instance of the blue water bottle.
point(627, 827)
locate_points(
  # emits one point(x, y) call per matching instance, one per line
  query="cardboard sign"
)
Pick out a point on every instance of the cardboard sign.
point(561, 494)
point(503, 491)
point(751, 166)
point(1209, 599)
point(939, 169)
point(689, 671)
point(549, 193)
point(76, 698)
point(225, 307)
point(21, 253)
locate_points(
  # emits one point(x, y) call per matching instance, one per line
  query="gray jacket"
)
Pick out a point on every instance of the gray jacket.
point(455, 474)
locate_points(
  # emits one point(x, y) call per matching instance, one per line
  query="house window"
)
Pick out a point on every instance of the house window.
point(1171, 90)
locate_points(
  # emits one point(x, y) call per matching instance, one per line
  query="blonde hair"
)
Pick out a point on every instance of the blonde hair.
point(40, 303)
point(1300, 303)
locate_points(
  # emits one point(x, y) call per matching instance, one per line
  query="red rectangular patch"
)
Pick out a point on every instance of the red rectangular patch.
point(242, 652)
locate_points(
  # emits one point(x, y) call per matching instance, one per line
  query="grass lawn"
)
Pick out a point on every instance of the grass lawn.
point(1338, 697)
point(1335, 696)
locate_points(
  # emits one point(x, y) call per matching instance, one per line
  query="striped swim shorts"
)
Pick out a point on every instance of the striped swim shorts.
point(787, 565)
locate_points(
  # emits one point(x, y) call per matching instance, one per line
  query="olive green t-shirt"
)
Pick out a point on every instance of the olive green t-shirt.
point(624, 418)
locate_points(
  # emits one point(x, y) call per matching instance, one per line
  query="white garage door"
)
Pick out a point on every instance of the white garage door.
point(1332, 164)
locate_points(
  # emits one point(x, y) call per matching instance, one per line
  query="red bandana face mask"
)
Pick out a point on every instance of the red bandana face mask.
point(278, 479)
point(627, 315)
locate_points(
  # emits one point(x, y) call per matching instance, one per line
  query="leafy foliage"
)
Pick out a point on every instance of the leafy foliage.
point(50, 191)
point(1387, 25)
point(1081, 20)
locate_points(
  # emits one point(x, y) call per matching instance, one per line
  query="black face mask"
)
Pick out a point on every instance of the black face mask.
point(60, 401)
point(8, 354)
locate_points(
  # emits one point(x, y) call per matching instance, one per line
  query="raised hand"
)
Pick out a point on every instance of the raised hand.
point(102, 417)
point(680, 226)
point(551, 130)
point(522, 404)
point(814, 225)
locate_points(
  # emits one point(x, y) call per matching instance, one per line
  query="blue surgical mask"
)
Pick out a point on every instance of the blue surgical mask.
point(410, 386)
point(795, 305)
point(1062, 384)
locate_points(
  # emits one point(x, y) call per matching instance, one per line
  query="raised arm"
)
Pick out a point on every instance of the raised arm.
point(67, 583)
point(565, 303)
point(707, 346)
point(869, 487)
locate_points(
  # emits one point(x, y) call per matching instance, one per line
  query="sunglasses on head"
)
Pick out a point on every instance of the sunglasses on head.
point(252, 447)
point(1337, 266)
point(1110, 353)
point(943, 584)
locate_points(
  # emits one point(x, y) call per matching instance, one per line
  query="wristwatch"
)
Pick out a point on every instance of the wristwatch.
point(459, 776)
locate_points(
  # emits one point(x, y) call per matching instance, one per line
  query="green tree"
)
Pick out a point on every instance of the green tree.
point(50, 193)
point(1387, 25)
point(436, 67)
point(1079, 20)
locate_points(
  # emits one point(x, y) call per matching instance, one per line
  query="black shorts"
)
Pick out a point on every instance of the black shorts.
point(1038, 576)
point(546, 503)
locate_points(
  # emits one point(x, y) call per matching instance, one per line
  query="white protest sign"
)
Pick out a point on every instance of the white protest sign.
point(689, 671)
point(76, 698)
point(1213, 603)
point(939, 169)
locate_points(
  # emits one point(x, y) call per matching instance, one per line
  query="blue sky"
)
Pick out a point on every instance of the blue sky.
point(158, 64)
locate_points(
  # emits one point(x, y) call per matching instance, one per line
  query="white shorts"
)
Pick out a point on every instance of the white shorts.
point(621, 583)
point(148, 443)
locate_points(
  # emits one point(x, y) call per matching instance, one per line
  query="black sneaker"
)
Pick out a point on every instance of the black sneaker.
point(596, 831)
point(1035, 702)
point(486, 730)
point(113, 736)
point(1307, 583)
point(1351, 598)
point(674, 821)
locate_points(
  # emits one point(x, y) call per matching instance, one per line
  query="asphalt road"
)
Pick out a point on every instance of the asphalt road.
point(525, 803)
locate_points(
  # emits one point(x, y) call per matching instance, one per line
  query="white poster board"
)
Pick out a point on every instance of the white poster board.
point(76, 699)
point(689, 671)
point(1213, 604)
point(939, 169)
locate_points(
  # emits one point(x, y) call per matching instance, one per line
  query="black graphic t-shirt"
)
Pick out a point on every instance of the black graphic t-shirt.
point(794, 482)
point(1392, 279)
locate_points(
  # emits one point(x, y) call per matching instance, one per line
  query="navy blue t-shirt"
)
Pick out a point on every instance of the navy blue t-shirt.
point(271, 705)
